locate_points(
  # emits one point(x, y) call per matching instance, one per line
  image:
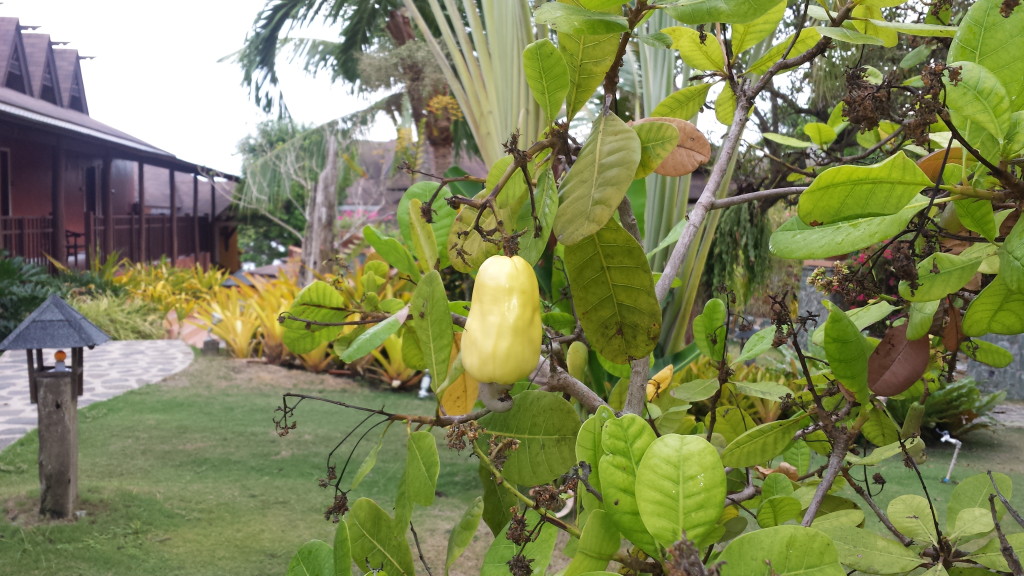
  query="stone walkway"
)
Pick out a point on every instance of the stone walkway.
point(110, 369)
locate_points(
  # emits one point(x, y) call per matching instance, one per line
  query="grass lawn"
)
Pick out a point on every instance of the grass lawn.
point(188, 477)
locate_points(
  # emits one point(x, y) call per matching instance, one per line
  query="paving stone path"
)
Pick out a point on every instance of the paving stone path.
point(110, 369)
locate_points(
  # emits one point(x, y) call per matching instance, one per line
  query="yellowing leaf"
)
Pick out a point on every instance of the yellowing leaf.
point(659, 383)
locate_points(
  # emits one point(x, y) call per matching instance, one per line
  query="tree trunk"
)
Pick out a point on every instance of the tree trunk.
point(321, 215)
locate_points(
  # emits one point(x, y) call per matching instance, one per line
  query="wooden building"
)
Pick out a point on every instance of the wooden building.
point(76, 189)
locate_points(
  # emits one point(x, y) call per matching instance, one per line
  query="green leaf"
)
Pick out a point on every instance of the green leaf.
point(861, 317)
point(683, 489)
point(987, 353)
point(847, 352)
point(419, 478)
point(466, 249)
point(442, 216)
point(301, 341)
point(820, 133)
point(978, 102)
point(588, 57)
point(683, 104)
point(916, 57)
point(916, 29)
point(971, 522)
point(624, 441)
point(696, 390)
point(847, 35)
point(806, 39)
point(709, 329)
point(767, 390)
point(759, 343)
point(598, 543)
point(367, 464)
point(731, 422)
point(866, 20)
point(700, 54)
point(378, 543)
point(787, 140)
point(392, 251)
point(940, 275)
point(782, 551)
point(850, 192)
point(546, 427)
point(579, 21)
point(432, 321)
point(973, 492)
point(879, 455)
point(921, 316)
point(462, 535)
point(778, 510)
point(342, 551)
point(598, 181)
point(996, 310)
point(502, 550)
point(879, 429)
point(588, 442)
point(724, 11)
point(314, 558)
point(746, 36)
point(912, 515)
point(776, 484)
point(977, 215)
point(762, 443)
point(498, 502)
point(613, 292)
point(1014, 144)
point(371, 339)
point(547, 75)
point(657, 139)
point(534, 242)
point(990, 555)
point(799, 241)
point(867, 552)
point(423, 242)
point(319, 302)
point(1011, 259)
point(848, 518)
point(725, 105)
point(986, 37)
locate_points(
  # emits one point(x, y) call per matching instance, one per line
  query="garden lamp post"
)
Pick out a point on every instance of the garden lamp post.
point(55, 390)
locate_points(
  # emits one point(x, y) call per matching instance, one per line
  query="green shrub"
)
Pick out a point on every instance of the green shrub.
point(122, 318)
point(958, 407)
point(23, 287)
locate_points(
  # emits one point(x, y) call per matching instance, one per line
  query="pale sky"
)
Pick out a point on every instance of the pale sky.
point(155, 72)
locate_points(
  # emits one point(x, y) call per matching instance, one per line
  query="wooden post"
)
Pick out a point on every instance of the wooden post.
point(143, 250)
point(174, 217)
point(58, 444)
point(195, 217)
point(60, 241)
point(213, 222)
point(108, 209)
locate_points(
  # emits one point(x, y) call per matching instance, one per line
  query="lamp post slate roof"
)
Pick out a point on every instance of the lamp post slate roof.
point(54, 324)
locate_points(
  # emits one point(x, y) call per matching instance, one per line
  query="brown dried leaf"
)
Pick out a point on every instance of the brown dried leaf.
point(953, 332)
point(932, 164)
point(784, 468)
point(692, 151)
point(897, 362)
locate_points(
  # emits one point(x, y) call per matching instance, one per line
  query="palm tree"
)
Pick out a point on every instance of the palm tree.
point(373, 30)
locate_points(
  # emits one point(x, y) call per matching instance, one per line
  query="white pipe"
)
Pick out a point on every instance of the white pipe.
point(956, 451)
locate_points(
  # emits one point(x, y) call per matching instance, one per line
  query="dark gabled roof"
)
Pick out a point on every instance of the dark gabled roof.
point(69, 74)
point(8, 36)
point(54, 325)
point(39, 58)
point(35, 111)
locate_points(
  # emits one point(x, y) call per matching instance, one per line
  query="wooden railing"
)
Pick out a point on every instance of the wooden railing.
point(32, 238)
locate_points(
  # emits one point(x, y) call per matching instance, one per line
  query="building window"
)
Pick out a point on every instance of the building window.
point(48, 92)
point(75, 101)
point(15, 73)
point(5, 183)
